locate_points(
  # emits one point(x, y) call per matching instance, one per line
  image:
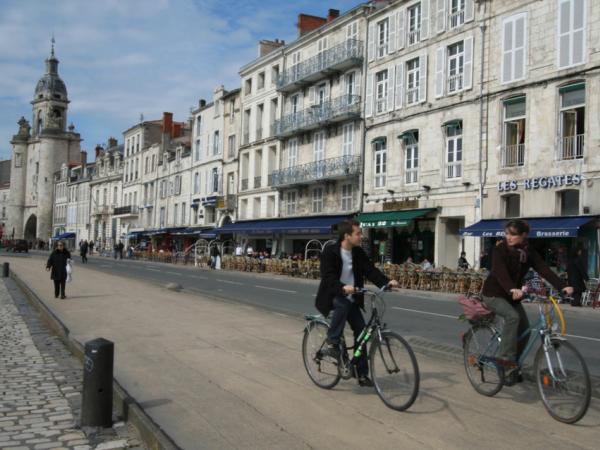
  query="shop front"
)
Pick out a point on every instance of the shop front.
point(400, 236)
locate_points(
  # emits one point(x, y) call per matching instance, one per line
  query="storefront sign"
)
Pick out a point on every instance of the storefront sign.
point(385, 224)
point(540, 183)
point(401, 204)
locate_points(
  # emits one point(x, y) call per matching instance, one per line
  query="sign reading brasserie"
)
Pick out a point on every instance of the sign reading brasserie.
point(540, 182)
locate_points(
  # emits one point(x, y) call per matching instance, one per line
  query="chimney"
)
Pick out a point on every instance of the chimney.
point(176, 130)
point(265, 46)
point(167, 122)
point(202, 103)
point(112, 142)
point(332, 14)
point(307, 23)
point(99, 151)
point(83, 157)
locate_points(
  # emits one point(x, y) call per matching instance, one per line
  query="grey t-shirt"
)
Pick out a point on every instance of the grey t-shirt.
point(347, 276)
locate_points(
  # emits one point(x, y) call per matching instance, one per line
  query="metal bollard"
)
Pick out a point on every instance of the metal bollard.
point(96, 405)
point(5, 270)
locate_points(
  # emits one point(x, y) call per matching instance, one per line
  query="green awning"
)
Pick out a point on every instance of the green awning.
point(387, 219)
point(571, 87)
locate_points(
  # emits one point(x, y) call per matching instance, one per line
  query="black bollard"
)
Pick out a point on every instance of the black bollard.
point(96, 405)
point(5, 270)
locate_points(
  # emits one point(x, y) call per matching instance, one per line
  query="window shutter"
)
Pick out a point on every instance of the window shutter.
point(369, 96)
point(422, 78)
point(507, 50)
point(401, 19)
point(424, 19)
point(520, 47)
point(468, 65)
point(399, 85)
point(357, 90)
point(371, 42)
point(311, 96)
point(564, 27)
point(300, 101)
point(392, 35)
point(440, 63)
point(327, 91)
point(578, 35)
point(440, 16)
point(390, 92)
point(469, 10)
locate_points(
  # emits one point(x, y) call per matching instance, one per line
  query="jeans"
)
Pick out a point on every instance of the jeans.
point(345, 310)
point(59, 287)
point(515, 324)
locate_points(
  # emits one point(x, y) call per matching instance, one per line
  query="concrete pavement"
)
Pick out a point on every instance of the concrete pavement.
point(216, 374)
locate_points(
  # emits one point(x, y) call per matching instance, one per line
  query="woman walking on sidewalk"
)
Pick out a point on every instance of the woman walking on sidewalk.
point(57, 262)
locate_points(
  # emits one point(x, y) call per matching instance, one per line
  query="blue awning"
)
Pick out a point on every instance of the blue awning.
point(546, 227)
point(193, 231)
point(68, 235)
point(302, 225)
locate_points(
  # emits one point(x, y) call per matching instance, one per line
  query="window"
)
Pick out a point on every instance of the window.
point(411, 157)
point(347, 197)
point(175, 214)
point(512, 205)
point(456, 67)
point(571, 33)
point(569, 202)
point(292, 154)
point(271, 206)
point(231, 111)
point(215, 179)
point(380, 162)
point(350, 82)
point(248, 86)
point(115, 195)
point(274, 74)
point(514, 52)
point(178, 185)
point(198, 125)
point(231, 146)
point(197, 183)
point(317, 200)
point(381, 91)
point(295, 67)
point(260, 109)
point(513, 133)
point(319, 153)
point(382, 38)
point(290, 205)
point(348, 139)
point(183, 213)
point(153, 162)
point(454, 151)
point(457, 13)
point(216, 142)
point(413, 74)
point(261, 81)
point(571, 121)
point(414, 24)
point(162, 217)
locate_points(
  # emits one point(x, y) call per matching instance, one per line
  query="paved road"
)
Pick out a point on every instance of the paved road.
point(431, 317)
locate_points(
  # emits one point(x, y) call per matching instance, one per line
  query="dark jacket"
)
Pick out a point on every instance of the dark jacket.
point(508, 271)
point(577, 272)
point(58, 263)
point(331, 270)
point(83, 248)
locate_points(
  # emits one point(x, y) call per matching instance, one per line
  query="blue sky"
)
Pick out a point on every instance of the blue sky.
point(121, 58)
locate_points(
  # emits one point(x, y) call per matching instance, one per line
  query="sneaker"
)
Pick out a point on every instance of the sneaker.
point(63, 297)
point(331, 350)
point(365, 381)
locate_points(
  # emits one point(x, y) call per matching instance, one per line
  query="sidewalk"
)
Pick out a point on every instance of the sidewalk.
point(220, 375)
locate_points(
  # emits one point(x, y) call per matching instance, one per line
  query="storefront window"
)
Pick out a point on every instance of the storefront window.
point(513, 133)
point(569, 202)
point(512, 205)
point(571, 121)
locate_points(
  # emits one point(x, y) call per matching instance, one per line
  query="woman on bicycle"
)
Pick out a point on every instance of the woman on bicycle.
point(502, 290)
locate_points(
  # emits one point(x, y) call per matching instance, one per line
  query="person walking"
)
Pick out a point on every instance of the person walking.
point(120, 247)
point(577, 273)
point(57, 264)
point(83, 249)
point(91, 247)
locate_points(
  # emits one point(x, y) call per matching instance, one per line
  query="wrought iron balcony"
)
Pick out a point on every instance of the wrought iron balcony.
point(335, 110)
point(257, 181)
point(337, 58)
point(126, 211)
point(513, 155)
point(570, 147)
point(245, 184)
point(102, 210)
point(326, 169)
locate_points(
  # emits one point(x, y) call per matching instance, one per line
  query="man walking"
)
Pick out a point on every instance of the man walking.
point(57, 263)
point(83, 249)
point(120, 247)
point(344, 266)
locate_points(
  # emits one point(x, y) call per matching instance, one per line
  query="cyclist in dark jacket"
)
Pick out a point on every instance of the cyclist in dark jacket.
point(57, 263)
point(344, 266)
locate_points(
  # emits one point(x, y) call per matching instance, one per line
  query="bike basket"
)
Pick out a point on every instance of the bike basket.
point(473, 307)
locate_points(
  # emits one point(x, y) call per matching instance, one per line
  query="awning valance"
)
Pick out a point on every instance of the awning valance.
point(546, 227)
point(302, 225)
point(387, 219)
point(68, 235)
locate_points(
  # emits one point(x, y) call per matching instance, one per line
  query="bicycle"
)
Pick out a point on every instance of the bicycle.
point(393, 365)
point(560, 372)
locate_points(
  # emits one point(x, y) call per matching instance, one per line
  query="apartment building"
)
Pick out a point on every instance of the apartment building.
point(232, 127)
point(78, 206)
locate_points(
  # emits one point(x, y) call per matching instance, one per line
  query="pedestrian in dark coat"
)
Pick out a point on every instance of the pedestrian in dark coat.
point(83, 249)
point(57, 264)
point(577, 273)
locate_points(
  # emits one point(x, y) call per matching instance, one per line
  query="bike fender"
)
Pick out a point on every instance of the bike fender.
point(315, 318)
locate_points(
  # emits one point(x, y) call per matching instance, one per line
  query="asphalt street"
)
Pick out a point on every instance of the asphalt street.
point(427, 316)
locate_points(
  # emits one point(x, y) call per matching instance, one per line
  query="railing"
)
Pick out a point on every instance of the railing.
point(351, 49)
point(412, 95)
point(316, 115)
point(513, 155)
point(245, 184)
point(453, 170)
point(257, 182)
point(412, 176)
point(455, 82)
point(339, 167)
point(571, 147)
point(123, 210)
point(414, 36)
point(102, 210)
point(457, 18)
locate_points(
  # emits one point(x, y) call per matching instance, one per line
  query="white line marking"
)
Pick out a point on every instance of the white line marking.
point(583, 337)
point(174, 273)
point(426, 312)
point(153, 270)
point(275, 289)
point(230, 282)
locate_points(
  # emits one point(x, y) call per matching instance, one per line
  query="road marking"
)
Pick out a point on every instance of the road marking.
point(275, 289)
point(583, 337)
point(425, 312)
point(230, 282)
point(174, 273)
point(152, 270)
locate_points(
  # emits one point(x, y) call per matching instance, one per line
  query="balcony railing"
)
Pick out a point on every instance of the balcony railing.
point(453, 170)
point(129, 210)
point(245, 184)
point(340, 108)
point(570, 147)
point(332, 168)
point(102, 210)
point(412, 95)
point(412, 176)
point(455, 82)
point(257, 181)
point(457, 18)
point(513, 155)
point(339, 57)
point(414, 36)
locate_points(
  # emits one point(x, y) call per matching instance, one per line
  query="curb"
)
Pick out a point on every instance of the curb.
point(151, 433)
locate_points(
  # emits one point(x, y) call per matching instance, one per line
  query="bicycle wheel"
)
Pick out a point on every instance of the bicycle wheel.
point(395, 371)
point(479, 349)
point(323, 371)
point(563, 381)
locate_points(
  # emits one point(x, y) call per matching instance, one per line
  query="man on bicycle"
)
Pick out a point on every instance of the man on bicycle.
point(344, 266)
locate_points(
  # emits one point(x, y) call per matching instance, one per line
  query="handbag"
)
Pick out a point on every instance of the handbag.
point(69, 270)
point(473, 307)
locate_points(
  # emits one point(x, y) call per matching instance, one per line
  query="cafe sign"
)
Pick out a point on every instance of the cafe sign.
point(549, 182)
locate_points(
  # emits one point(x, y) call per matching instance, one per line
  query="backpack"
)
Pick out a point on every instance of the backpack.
point(473, 307)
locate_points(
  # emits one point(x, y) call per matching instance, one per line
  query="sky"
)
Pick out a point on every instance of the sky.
point(123, 58)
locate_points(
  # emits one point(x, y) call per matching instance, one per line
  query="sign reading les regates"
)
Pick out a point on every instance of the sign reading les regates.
point(540, 182)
